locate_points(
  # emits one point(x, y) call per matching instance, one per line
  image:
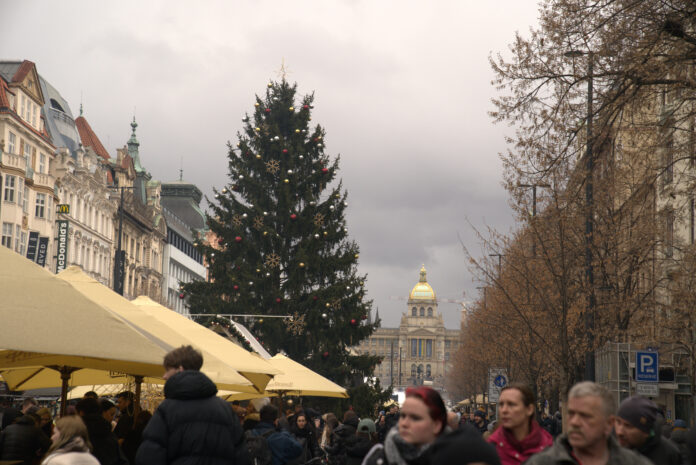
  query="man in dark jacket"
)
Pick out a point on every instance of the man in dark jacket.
point(23, 440)
point(282, 444)
point(635, 428)
point(191, 426)
point(104, 442)
point(343, 438)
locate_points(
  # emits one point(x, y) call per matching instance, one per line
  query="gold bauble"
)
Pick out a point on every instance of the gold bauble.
point(258, 270)
point(357, 256)
point(258, 157)
point(297, 131)
point(301, 265)
point(257, 129)
point(265, 233)
point(292, 108)
point(256, 104)
point(328, 304)
point(270, 84)
point(286, 180)
point(326, 233)
point(260, 320)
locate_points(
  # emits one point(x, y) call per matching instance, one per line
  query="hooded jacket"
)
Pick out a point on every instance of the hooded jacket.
point(661, 451)
point(513, 452)
point(104, 442)
point(192, 426)
point(23, 440)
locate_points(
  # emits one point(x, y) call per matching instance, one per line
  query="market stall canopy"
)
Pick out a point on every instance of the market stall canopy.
point(298, 380)
point(227, 364)
point(249, 364)
point(48, 324)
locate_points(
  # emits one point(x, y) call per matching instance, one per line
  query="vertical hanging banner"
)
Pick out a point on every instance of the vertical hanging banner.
point(32, 244)
point(42, 250)
point(62, 245)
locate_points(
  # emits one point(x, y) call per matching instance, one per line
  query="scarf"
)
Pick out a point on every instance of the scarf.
point(399, 452)
point(76, 444)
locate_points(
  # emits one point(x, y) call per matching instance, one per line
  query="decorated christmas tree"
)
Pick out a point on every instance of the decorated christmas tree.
point(281, 246)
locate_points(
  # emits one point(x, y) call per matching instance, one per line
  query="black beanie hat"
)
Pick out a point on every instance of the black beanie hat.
point(464, 445)
point(638, 411)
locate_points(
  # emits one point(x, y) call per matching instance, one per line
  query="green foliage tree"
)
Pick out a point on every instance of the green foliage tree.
point(281, 246)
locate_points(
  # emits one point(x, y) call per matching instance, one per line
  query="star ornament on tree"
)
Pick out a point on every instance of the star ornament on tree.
point(319, 219)
point(258, 223)
point(272, 260)
point(237, 220)
point(273, 166)
point(296, 324)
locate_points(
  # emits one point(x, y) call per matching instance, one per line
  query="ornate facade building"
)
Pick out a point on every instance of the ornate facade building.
point(419, 350)
point(27, 195)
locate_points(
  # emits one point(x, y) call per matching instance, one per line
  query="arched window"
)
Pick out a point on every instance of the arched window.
point(428, 373)
point(430, 311)
point(422, 311)
point(420, 371)
point(414, 311)
point(413, 370)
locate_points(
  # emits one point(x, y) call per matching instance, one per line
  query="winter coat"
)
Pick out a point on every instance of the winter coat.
point(395, 451)
point(282, 444)
point(513, 452)
point(75, 452)
point(356, 452)
point(23, 440)
point(308, 436)
point(104, 442)
point(680, 439)
point(661, 451)
point(192, 426)
point(343, 436)
point(560, 453)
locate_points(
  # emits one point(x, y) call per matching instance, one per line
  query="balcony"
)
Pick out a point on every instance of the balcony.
point(14, 161)
point(41, 179)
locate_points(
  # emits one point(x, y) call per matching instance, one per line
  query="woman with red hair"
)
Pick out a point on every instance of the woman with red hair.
point(519, 436)
point(422, 419)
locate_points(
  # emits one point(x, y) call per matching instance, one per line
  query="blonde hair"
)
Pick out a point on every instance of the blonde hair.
point(68, 428)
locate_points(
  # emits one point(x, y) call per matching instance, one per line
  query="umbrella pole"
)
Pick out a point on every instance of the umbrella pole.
point(65, 378)
point(138, 391)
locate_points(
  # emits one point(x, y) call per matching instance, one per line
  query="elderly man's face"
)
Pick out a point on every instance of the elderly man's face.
point(588, 425)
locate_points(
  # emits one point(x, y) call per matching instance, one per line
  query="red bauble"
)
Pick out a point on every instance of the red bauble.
point(285, 150)
point(238, 238)
point(293, 217)
point(353, 321)
point(316, 139)
point(324, 170)
point(315, 297)
point(278, 300)
point(326, 354)
point(181, 296)
point(235, 287)
point(268, 110)
point(306, 107)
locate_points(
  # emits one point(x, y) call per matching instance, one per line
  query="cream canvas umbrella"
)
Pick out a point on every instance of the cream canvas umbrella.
point(49, 327)
point(249, 364)
point(227, 364)
point(295, 380)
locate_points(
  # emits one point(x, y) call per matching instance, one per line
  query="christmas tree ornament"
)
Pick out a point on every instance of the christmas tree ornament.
point(326, 354)
point(224, 190)
point(362, 283)
point(296, 324)
point(272, 260)
point(258, 270)
point(319, 219)
point(301, 157)
point(241, 176)
point(278, 300)
point(268, 110)
point(345, 204)
point(286, 181)
point(181, 296)
point(324, 170)
point(235, 188)
point(251, 283)
point(217, 196)
point(316, 236)
point(297, 131)
point(353, 321)
point(289, 171)
point(285, 151)
point(292, 108)
point(212, 254)
point(257, 129)
point(270, 84)
point(328, 305)
point(265, 213)
point(265, 233)
point(357, 256)
point(235, 287)
point(268, 275)
point(261, 320)
point(258, 223)
point(273, 166)
point(258, 157)
point(256, 104)
point(276, 138)
point(244, 120)
point(302, 265)
point(293, 217)
point(324, 315)
point(238, 239)
point(320, 145)
point(305, 107)
point(332, 208)
point(244, 215)
point(237, 221)
point(326, 233)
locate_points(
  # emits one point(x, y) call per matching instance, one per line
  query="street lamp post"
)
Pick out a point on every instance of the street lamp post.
point(534, 202)
point(589, 207)
point(119, 259)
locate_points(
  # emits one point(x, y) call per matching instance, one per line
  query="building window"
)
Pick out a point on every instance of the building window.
point(12, 144)
point(40, 211)
point(430, 311)
point(669, 234)
point(414, 347)
point(25, 201)
point(42, 163)
point(20, 192)
point(23, 243)
point(422, 311)
point(18, 229)
point(7, 229)
point(10, 188)
point(429, 348)
point(413, 370)
point(428, 371)
point(414, 311)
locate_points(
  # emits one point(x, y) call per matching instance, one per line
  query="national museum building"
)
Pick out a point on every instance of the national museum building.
point(419, 350)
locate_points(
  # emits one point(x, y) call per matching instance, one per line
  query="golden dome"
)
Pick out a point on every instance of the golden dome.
point(422, 290)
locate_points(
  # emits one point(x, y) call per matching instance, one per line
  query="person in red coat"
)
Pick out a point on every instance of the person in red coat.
point(519, 436)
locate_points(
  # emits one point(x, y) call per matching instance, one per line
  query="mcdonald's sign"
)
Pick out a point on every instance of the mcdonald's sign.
point(63, 208)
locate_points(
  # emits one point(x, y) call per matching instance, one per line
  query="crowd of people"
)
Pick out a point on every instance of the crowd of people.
point(194, 426)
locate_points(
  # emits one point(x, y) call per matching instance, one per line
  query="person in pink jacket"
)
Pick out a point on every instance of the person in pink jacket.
point(519, 435)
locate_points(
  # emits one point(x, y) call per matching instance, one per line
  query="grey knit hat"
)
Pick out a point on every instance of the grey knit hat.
point(638, 411)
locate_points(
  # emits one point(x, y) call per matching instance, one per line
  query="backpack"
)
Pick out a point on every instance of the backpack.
point(257, 445)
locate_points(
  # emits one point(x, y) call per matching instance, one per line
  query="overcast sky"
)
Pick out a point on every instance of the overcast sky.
point(402, 88)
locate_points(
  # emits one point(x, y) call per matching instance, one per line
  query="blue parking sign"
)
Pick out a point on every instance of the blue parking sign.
point(647, 367)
